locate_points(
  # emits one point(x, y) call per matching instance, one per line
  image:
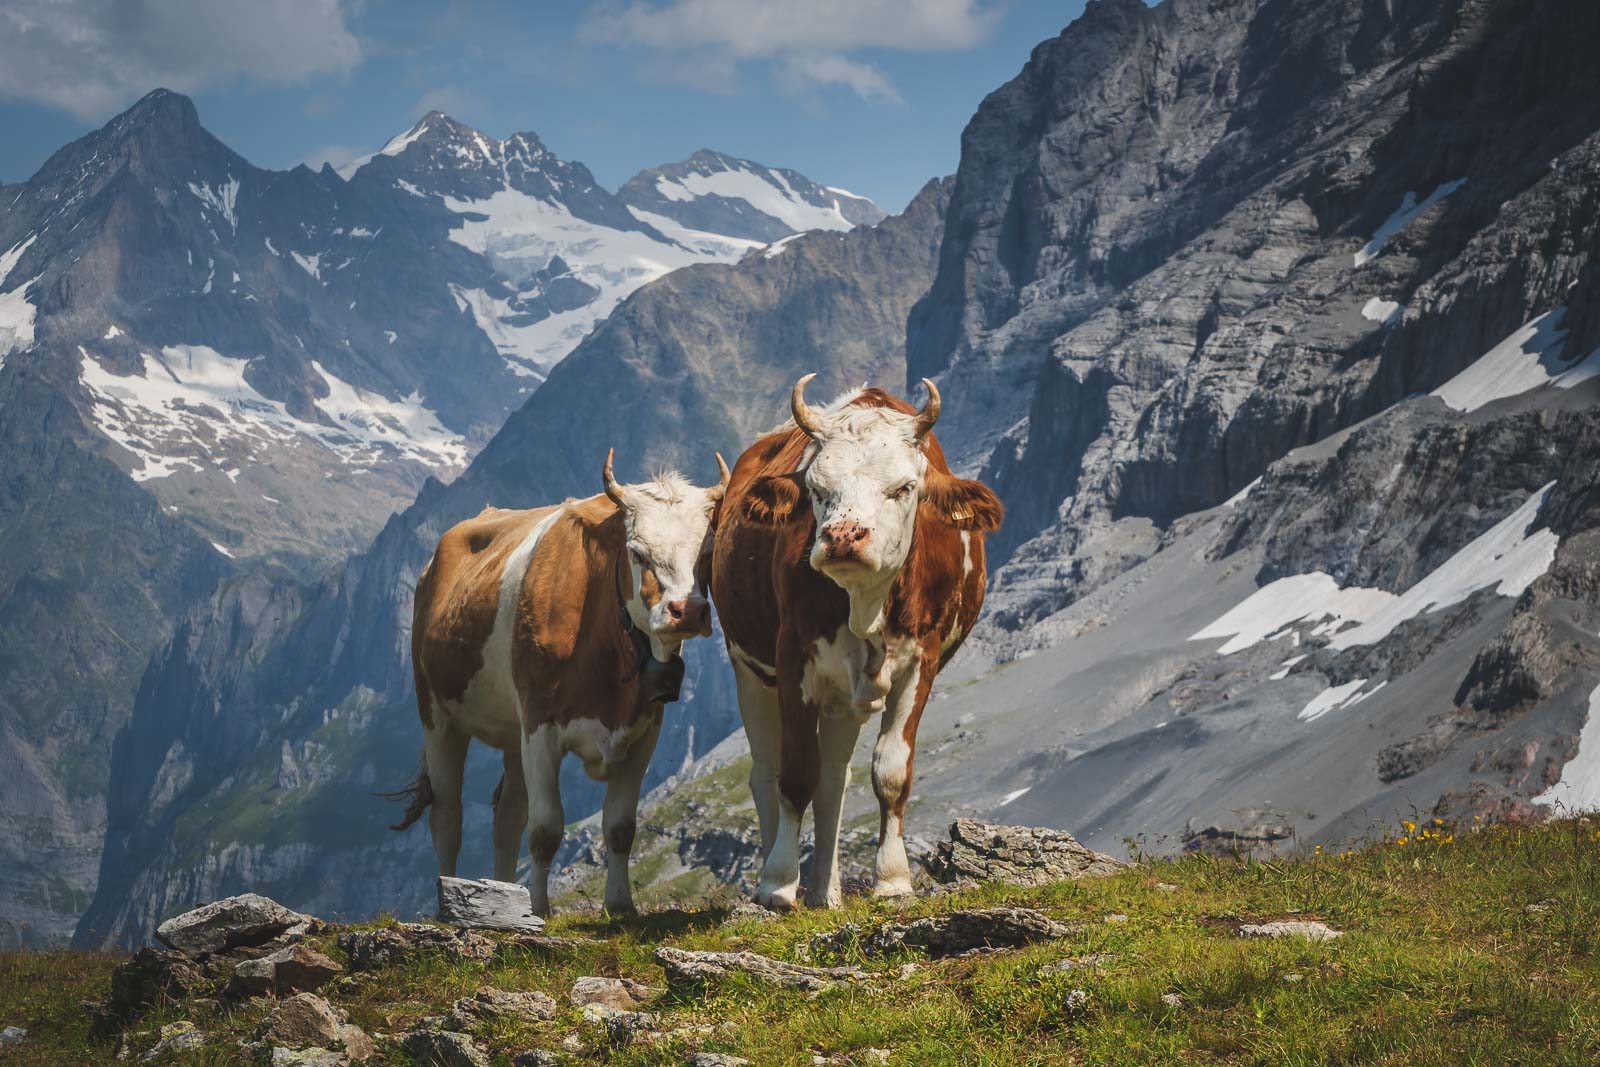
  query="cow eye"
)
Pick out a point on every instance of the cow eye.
point(638, 557)
point(902, 491)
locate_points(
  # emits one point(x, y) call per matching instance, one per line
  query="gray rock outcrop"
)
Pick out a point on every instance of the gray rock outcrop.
point(687, 968)
point(485, 904)
point(1018, 855)
point(951, 934)
point(235, 922)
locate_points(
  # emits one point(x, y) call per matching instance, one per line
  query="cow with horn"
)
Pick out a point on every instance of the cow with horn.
point(551, 631)
point(848, 569)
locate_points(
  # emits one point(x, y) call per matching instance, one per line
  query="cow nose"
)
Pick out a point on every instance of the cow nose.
point(843, 540)
point(688, 614)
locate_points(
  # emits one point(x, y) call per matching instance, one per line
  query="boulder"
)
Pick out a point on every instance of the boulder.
point(624, 1028)
point(950, 934)
point(306, 1057)
point(715, 1059)
point(623, 994)
point(442, 1048)
point(1018, 855)
point(688, 968)
point(295, 969)
point(369, 949)
point(484, 904)
point(248, 919)
point(536, 1057)
point(175, 1038)
point(12, 1035)
point(489, 1004)
point(147, 979)
point(306, 1021)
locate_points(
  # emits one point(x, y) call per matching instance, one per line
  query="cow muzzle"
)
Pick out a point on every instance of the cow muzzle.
point(844, 541)
point(688, 615)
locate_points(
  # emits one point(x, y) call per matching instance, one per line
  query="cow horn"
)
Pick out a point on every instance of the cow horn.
point(930, 410)
point(613, 490)
point(717, 491)
point(804, 416)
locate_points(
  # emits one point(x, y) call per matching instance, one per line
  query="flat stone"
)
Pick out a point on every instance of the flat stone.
point(175, 1038)
point(950, 934)
point(12, 1035)
point(623, 994)
point(1309, 929)
point(686, 968)
point(247, 919)
point(370, 949)
point(306, 1057)
point(484, 904)
point(489, 1004)
point(715, 1059)
point(296, 969)
point(624, 1028)
point(1018, 855)
point(441, 1048)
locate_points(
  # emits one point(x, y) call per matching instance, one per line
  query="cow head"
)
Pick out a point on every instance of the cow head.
point(867, 479)
point(668, 524)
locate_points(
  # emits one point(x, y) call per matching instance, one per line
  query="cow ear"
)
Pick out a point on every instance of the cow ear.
point(772, 500)
point(963, 503)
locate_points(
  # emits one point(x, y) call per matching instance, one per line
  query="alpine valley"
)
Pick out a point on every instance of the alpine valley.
point(1275, 323)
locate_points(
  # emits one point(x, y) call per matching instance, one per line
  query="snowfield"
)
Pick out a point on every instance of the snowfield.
point(192, 409)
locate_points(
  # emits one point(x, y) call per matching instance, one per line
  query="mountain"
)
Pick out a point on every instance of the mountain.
point(1274, 325)
point(713, 193)
point(208, 369)
point(259, 735)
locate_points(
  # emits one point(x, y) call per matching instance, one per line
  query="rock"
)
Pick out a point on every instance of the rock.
point(305, 1021)
point(175, 1038)
point(1116, 918)
point(489, 1004)
point(441, 1048)
point(12, 1035)
point(1077, 1001)
point(369, 949)
point(296, 969)
point(1172, 1000)
point(623, 994)
point(248, 919)
point(749, 911)
point(1017, 855)
point(716, 1059)
point(1309, 929)
point(1166, 887)
point(687, 968)
point(1078, 963)
point(947, 935)
point(626, 1028)
point(306, 1057)
point(536, 1057)
point(149, 978)
point(485, 904)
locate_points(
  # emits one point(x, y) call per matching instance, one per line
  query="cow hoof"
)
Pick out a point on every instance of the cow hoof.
point(779, 900)
point(896, 888)
point(621, 910)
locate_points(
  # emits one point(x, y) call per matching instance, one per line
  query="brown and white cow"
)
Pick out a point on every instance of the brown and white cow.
point(551, 631)
point(848, 569)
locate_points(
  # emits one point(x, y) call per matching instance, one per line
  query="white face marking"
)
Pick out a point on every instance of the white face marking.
point(867, 471)
point(668, 524)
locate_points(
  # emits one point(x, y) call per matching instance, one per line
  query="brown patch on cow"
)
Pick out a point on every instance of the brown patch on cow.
point(649, 588)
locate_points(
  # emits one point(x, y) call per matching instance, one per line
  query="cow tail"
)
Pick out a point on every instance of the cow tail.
point(418, 795)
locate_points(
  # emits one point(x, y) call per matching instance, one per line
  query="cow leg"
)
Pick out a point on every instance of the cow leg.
point(541, 772)
point(445, 750)
point(619, 819)
point(836, 743)
point(510, 817)
point(891, 780)
point(758, 707)
point(797, 784)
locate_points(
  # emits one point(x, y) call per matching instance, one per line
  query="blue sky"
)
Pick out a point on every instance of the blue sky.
point(868, 95)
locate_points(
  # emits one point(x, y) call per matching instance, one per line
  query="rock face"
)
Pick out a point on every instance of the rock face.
point(1018, 855)
point(485, 904)
point(298, 677)
point(686, 968)
point(296, 969)
point(622, 994)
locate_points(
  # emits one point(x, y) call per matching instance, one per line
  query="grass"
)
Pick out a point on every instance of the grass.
point(1443, 962)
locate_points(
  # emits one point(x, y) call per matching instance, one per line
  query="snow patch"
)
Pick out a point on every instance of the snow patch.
point(1505, 558)
point(9, 261)
point(223, 200)
point(309, 264)
point(112, 331)
point(1386, 312)
point(1578, 788)
point(1013, 795)
point(1242, 495)
point(17, 316)
point(769, 193)
point(224, 551)
point(1335, 696)
point(777, 247)
point(1405, 215)
point(273, 250)
point(1529, 358)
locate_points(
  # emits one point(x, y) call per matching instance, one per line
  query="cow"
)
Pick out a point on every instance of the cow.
point(551, 631)
point(848, 568)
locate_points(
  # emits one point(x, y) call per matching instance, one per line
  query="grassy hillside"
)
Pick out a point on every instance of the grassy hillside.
point(1459, 947)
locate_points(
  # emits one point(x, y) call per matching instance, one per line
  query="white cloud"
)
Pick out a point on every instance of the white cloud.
point(92, 57)
point(809, 44)
point(336, 155)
